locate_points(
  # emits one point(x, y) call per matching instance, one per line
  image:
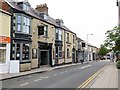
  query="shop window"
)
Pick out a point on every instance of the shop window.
point(25, 52)
point(17, 51)
point(2, 53)
point(59, 52)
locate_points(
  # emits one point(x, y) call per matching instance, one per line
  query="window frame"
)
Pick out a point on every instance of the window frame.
point(58, 35)
point(67, 37)
point(5, 53)
point(23, 23)
point(58, 52)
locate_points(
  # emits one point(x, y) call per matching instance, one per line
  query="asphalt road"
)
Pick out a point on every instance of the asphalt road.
point(70, 77)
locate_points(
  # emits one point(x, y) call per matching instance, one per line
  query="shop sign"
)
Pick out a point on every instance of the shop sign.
point(4, 39)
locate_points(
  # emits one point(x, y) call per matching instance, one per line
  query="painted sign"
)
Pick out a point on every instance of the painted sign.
point(4, 39)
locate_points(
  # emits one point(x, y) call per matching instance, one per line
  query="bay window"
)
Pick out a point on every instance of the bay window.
point(19, 24)
point(58, 34)
point(23, 24)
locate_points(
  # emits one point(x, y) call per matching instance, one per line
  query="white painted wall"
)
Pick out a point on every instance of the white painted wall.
point(4, 67)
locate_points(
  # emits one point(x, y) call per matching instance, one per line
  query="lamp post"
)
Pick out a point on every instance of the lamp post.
point(88, 48)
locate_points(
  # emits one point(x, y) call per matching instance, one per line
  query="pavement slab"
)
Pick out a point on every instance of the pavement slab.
point(107, 79)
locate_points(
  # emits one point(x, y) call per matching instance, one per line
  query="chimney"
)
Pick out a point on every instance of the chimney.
point(42, 8)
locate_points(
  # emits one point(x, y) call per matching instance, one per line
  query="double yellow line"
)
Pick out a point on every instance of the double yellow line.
point(84, 84)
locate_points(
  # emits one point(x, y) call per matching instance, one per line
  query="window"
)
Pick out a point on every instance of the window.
point(23, 24)
point(2, 53)
point(26, 25)
point(58, 34)
point(25, 52)
point(19, 18)
point(67, 37)
point(73, 39)
point(43, 30)
point(25, 7)
point(18, 51)
point(67, 53)
point(22, 51)
point(59, 52)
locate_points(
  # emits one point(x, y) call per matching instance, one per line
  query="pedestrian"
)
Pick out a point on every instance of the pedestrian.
point(81, 61)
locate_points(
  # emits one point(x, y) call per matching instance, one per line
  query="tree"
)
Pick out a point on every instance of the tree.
point(113, 40)
point(103, 50)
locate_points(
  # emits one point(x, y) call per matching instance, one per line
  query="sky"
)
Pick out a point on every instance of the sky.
point(84, 16)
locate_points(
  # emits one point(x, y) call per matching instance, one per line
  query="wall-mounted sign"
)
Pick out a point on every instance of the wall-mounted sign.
point(34, 53)
point(4, 39)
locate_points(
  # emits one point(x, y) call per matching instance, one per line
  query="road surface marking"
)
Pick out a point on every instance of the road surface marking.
point(86, 66)
point(66, 71)
point(24, 84)
point(45, 77)
point(55, 74)
point(84, 84)
point(37, 80)
point(62, 72)
point(29, 76)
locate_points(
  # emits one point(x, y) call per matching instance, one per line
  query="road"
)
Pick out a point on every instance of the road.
point(69, 77)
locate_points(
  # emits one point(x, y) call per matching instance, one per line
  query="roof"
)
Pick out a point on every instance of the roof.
point(34, 13)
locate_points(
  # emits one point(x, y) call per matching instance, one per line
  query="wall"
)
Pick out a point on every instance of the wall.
point(5, 20)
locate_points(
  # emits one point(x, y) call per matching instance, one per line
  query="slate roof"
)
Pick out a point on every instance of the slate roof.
point(34, 13)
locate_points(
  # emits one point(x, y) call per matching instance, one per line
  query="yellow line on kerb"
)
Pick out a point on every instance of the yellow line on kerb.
point(84, 84)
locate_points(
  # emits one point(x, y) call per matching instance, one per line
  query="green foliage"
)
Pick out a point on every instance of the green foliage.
point(103, 50)
point(113, 39)
point(118, 64)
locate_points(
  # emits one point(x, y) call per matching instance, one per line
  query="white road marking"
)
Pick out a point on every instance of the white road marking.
point(24, 84)
point(86, 66)
point(45, 77)
point(61, 72)
point(37, 80)
point(66, 71)
point(29, 76)
point(55, 74)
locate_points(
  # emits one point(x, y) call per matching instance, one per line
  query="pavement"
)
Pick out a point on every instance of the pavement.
point(107, 79)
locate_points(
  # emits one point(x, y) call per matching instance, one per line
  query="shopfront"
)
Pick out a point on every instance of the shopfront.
point(4, 54)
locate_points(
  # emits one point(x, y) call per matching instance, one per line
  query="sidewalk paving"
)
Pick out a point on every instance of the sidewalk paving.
point(108, 78)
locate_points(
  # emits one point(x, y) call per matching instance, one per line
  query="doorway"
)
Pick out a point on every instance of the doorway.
point(44, 57)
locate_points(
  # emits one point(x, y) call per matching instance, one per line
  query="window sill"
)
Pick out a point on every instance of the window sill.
point(68, 57)
point(23, 33)
point(68, 42)
point(45, 37)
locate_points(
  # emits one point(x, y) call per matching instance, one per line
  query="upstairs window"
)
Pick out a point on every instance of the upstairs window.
point(23, 24)
point(25, 7)
point(19, 23)
point(26, 25)
point(73, 39)
point(67, 37)
point(59, 34)
point(43, 30)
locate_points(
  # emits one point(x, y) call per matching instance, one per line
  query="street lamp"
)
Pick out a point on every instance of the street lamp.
point(87, 48)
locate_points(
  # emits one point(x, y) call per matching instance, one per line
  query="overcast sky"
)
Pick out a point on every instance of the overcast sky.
point(84, 16)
